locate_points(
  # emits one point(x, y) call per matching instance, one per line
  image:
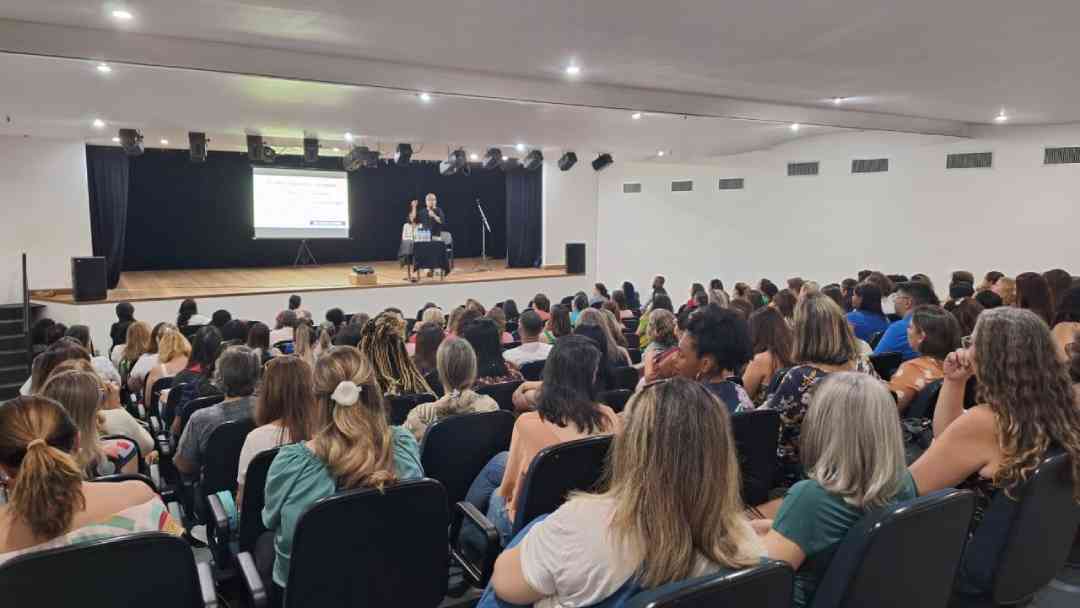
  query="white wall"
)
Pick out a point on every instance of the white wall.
point(570, 211)
point(1018, 216)
point(46, 212)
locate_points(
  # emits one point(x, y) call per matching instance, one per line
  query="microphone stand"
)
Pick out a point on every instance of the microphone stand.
point(484, 229)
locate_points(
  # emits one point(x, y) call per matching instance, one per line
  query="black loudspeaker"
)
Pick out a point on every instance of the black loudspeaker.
point(88, 279)
point(575, 258)
point(131, 141)
point(311, 150)
point(255, 148)
point(197, 147)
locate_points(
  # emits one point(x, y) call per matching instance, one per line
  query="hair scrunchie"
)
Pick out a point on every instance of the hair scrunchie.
point(347, 393)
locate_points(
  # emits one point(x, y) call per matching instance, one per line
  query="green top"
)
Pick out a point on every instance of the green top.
point(297, 478)
point(817, 522)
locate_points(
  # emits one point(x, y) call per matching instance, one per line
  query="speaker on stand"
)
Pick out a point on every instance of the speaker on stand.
point(575, 258)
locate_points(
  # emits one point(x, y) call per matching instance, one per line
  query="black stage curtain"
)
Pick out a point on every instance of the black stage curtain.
point(199, 215)
point(524, 219)
point(107, 176)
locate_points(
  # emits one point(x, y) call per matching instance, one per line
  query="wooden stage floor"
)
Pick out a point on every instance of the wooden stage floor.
point(141, 286)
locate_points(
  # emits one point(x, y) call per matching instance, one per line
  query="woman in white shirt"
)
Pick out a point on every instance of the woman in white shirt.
point(150, 359)
point(286, 410)
point(596, 545)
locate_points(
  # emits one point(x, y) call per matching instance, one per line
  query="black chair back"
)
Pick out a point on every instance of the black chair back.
point(155, 393)
point(1041, 526)
point(221, 461)
point(119, 477)
point(632, 339)
point(768, 585)
point(886, 364)
point(756, 434)
point(533, 370)
point(370, 548)
point(903, 555)
point(502, 393)
point(509, 345)
point(456, 448)
point(615, 399)
point(401, 405)
point(177, 393)
point(195, 405)
point(875, 338)
point(165, 565)
point(558, 470)
point(625, 378)
point(635, 355)
point(925, 402)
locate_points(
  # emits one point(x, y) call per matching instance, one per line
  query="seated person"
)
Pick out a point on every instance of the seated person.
point(853, 453)
point(660, 357)
point(284, 328)
point(173, 353)
point(103, 366)
point(64, 349)
point(933, 333)
point(496, 314)
point(356, 448)
point(556, 325)
point(908, 297)
point(530, 326)
point(867, 318)
point(597, 546)
point(772, 340)
point(715, 344)
point(483, 335)
point(237, 375)
point(382, 343)
point(456, 363)
point(49, 504)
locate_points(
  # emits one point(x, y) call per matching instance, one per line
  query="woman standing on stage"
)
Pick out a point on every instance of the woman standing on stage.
point(408, 234)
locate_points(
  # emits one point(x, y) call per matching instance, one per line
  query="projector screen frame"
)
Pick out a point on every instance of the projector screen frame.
point(293, 233)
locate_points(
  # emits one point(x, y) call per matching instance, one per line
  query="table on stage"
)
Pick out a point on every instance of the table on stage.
point(431, 255)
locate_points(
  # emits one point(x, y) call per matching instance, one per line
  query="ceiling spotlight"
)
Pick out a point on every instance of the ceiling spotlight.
point(348, 137)
point(131, 141)
point(795, 127)
point(492, 158)
point(164, 142)
point(533, 160)
point(573, 69)
point(403, 154)
point(519, 147)
point(838, 100)
point(601, 162)
point(568, 160)
point(454, 163)
point(1001, 117)
point(104, 68)
point(122, 15)
point(99, 124)
point(474, 157)
point(636, 116)
point(116, 140)
point(660, 152)
point(425, 97)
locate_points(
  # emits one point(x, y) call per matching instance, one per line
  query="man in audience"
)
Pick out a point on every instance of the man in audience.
point(294, 305)
point(286, 324)
point(909, 296)
point(530, 326)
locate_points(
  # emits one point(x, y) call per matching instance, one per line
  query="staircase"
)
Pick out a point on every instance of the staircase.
point(14, 359)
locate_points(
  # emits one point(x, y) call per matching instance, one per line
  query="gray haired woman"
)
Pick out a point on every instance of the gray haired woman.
point(456, 362)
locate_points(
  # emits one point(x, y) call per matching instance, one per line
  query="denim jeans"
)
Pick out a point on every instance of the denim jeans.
point(489, 479)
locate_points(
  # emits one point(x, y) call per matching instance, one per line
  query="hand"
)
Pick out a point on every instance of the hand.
point(152, 457)
point(112, 396)
point(959, 366)
point(761, 526)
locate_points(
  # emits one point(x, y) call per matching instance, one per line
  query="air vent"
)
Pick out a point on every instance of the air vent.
point(803, 168)
point(732, 183)
point(869, 165)
point(634, 188)
point(682, 186)
point(971, 160)
point(1061, 156)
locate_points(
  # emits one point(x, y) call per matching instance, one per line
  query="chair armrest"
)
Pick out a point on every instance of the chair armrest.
point(155, 475)
point(217, 515)
point(164, 445)
point(155, 425)
point(252, 580)
point(479, 573)
point(175, 511)
point(206, 585)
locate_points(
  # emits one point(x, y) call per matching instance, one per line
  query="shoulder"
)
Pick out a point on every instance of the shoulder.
point(979, 422)
point(485, 403)
point(403, 439)
point(123, 495)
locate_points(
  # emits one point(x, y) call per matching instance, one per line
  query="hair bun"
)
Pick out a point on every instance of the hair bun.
point(35, 443)
point(347, 393)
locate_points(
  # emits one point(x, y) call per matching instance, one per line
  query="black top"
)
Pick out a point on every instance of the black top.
point(425, 216)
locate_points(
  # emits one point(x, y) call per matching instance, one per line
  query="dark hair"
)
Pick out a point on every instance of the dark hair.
point(848, 284)
point(1059, 281)
point(64, 349)
point(235, 331)
point(696, 288)
point(54, 332)
point(795, 284)
point(833, 291)
point(993, 276)
point(287, 394)
point(941, 328)
point(897, 278)
point(1033, 293)
point(568, 394)
point(205, 346)
point(40, 330)
point(560, 321)
point(870, 298)
point(619, 298)
point(483, 334)
point(863, 274)
point(612, 307)
point(336, 316)
point(467, 316)
point(967, 313)
point(188, 308)
point(581, 301)
point(220, 318)
point(742, 306)
point(125, 311)
point(510, 309)
point(287, 318)
point(530, 323)
point(602, 290)
point(768, 288)
point(919, 292)
point(961, 289)
point(962, 276)
point(723, 335)
point(294, 302)
point(700, 299)
point(428, 338)
point(988, 299)
point(541, 302)
point(349, 335)
point(633, 300)
point(658, 282)
point(81, 334)
point(259, 336)
point(922, 278)
point(785, 302)
point(883, 282)
point(662, 300)
point(1068, 309)
point(769, 332)
point(716, 284)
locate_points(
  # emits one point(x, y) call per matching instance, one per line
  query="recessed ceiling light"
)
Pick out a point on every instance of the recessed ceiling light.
point(636, 116)
point(660, 152)
point(122, 15)
point(519, 147)
point(104, 68)
point(1001, 117)
point(795, 126)
point(474, 156)
point(116, 140)
point(99, 124)
point(425, 97)
point(573, 69)
point(506, 158)
point(348, 137)
point(838, 100)
point(164, 142)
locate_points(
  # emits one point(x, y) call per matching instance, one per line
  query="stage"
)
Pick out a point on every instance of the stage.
point(145, 286)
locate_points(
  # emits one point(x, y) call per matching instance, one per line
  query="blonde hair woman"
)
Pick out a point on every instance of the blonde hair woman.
point(617, 355)
point(433, 314)
point(304, 343)
point(824, 344)
point(173, 353)
point(661, 355)
point(456, 362)
point(136, 344)
point(355, 448)
point(81, 392)
point(853, 454)
point(1006, 288)
point(643, 529)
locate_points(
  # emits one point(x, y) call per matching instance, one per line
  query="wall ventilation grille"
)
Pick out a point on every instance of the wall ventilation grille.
point(803, 168)
point(869, 165)
point(1061, 156)
point(732, 183)
point(631, 188)
point(682, 186)
point(970, 160)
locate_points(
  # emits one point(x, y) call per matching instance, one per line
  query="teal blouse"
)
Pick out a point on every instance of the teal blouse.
point(297, 478)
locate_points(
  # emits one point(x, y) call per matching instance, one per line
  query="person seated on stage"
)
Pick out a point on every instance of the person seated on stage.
point(456, 363)
point(542, 305)
point(173, 353)
point(382, 342)
point(483, 335)
point(530, 326)
point(558, 324)
point(294, 305)
point(433, 218)
point(496, 314)
point(285, 325)
point(188, 315)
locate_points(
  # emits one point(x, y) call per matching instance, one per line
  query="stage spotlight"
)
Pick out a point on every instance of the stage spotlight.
point(403, 154)
point(602, 162)
point(311, 150)
point(568, 160)
point(255, 148)
point(532, 161)
point(197, 146)
point(268, 155)
point(492, 159)
point(359, 156)
point(454, 163)
point(131, 141)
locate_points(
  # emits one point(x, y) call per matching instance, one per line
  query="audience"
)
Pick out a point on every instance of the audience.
point(633, 300)
point(284, 328)
point(542, 306)
point(102, 365)
point(510, 309)
point(967, 313)
point(530, 326)
point(125, 316)
point(715, 345)
point(771, 343)
point(867, 318)
point(578, 304)
point(199, 371)
point(355, 448)
point(336, 317)
point(909, 296)
point(660, 301)
point(220, 319)
point(81, 393)
point(1067, 319)
point(483, 336)
point(1059, 281)
point(497, 315)
point(295, 302)
point(933, 333)
point(457, 374)
point(304, 342)
point(1033, 293)
point(785, 301)
point(1005, 287)
point(617, 356)
point(188, 315)
point(136, 344)
point(428, 338)
point(382, 345)
point(988, 299)
point(768, 289)
point(557, 325)
point(618, 298)
point(599, 294)
point(149, 359)
point(853, 455)
point(989, 280)
point(258, 340)
point(661, 355)
point(174, 350)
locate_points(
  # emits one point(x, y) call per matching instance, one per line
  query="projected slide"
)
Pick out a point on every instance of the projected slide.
point(299, 204)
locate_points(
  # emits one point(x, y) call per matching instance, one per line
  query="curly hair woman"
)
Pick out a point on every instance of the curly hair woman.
point(383, 343)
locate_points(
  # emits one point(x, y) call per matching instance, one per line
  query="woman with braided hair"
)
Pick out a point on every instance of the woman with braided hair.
point(382, 341)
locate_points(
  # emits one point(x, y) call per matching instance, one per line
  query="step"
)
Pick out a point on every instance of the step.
point(14, 373)
point(11, 327)
point(9, 391)
point(10, 312)
point(13, 357)
point(14, 342)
